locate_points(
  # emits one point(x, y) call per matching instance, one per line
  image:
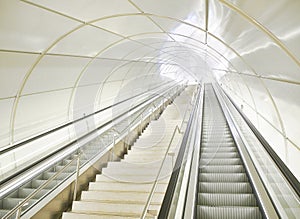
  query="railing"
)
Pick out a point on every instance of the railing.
point(152, 191)
point(285, 199)
point(17, 209)
point(6, 150)
point(176, 129)
point(65, 150)
point(137, 121)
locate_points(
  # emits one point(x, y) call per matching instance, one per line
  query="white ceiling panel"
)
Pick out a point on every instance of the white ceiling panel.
point(27, 28)
point(5, 115)
point(98, 71)
point(128, 25)
point(176, 27)
point(280, 11)
point(37, 113)
point(88, 10)
point(13, 68)
point(87, 41)
point(191, 12)
point(121, 50)
point(53, 73)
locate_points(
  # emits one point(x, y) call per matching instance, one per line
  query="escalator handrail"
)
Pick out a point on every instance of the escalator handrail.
point(17, 209)
point(277, 160)
point(265, 203)
point(177, 129)
point(166, 205)
point(8, 148)
point(7, 180)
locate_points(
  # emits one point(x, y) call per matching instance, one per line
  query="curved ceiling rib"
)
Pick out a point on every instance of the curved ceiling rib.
point(95, 47)
point(262, 28)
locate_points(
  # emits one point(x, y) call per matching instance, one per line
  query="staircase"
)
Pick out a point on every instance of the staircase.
point(122, 189)
point(224, 190)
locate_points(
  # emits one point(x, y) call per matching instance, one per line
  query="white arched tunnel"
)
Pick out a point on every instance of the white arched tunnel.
point(62, 60)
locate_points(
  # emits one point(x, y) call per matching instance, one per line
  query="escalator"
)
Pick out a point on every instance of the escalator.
point(226, 170)
point(87, 152)
point(124, 187)
point(54, 173)
point(224, 190)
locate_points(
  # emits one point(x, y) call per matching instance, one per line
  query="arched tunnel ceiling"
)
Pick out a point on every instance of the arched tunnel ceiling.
point(50, 51)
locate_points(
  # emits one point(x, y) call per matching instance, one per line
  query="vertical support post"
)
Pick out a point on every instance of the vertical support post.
point(77, 176)
point(111, 157)
point(18, 213)
point(141, 121)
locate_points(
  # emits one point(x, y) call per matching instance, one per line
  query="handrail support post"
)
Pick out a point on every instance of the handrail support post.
point(77, 176)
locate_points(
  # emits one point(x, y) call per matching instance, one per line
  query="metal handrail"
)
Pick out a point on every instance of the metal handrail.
point(19, 144)
point(177, 128)
point(18, 208)
point(67, 145)
point(174, 177)
point(158, 174)
point(270, 207)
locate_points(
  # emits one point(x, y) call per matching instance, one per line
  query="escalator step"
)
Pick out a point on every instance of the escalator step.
point(222, 169)
point(220, 155)
point(232, 187)
point(223, 199)
point(232, 161)
point(209, 212)
point(218, 149)
point(217, 144)
point(3, 212)
point(10, 203)
point(24, 192)
point(223, 177)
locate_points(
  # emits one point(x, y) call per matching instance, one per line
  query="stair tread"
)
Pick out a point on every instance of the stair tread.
point(75, 215)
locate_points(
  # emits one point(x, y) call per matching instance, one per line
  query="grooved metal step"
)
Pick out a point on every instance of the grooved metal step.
point(222, 169)
point(223, 177)
point(225, 212)
point(225, 187)
point(223, 199)
point(224, 191)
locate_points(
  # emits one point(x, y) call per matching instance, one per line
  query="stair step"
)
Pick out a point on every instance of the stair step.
point(138, 178)
point(223, 199)
point(126, 210)
point(120, 197)
point(74, 215)
point(145, 171)
point(226, 212)
point(126, 187)
point(232, 187)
